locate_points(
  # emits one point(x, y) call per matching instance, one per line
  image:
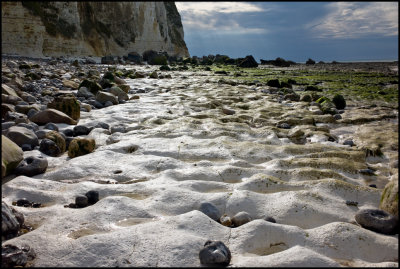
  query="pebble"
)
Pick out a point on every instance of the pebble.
point(270, 219)
point(51, 126)
point(93, 197)
point(81, 201)
point(81, 130)
point(241, 218)
point(210, 210)
point(226, 220)
point(215, 253)
point(351, 203)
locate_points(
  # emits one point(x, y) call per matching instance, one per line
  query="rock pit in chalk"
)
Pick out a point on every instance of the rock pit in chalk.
point(181, 149)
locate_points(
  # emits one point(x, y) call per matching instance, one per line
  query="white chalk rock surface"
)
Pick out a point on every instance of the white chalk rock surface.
point(178, 152)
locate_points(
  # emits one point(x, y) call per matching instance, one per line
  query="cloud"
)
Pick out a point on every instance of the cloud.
point(357, 19)
point(204, 8)
point(212, 17)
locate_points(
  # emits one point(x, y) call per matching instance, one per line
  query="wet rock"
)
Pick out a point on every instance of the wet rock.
point(81, 201)
point(49, 147)
point(153, 74)
point(6, 108)
point(81, 130)
point(91, 85)
point(210, 210)
point(93, 197)
point(32, 166)
point(84, 92)
point(122, 96)
point(81, 146)
point(67, 104)
point(274, 83)
point(390, 198)
point(103, 97)
point(125, 87)
point(241, 218)
point(351, 203)
point(284, 125)
point(377, 220)
point(13, 256)
point(292, 97)
point(225, 220)
point(16, 117)
point(215, 253)
point(11, 221)
point(337, 117)
point(270, 219)
point(349, 142)
point(368, 172)
point(52, 115)
point(228, 111)
point(26, 147)
point(58, 139)
point(31, 126)
point(21, 135)
point(51, 126)
point(23, 202)
point(339, 101)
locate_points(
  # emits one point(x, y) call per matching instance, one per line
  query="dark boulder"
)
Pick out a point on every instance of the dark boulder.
point(215, 253)
point(377, 220)
point(248, 61)
point(32, 166)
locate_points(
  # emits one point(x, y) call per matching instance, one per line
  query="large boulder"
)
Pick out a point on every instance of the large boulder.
point(11, 156)
point(21, 135)
point(81, 146)
point(52, 115)
point(390, 198)
point(67, 104)
point(248, 61)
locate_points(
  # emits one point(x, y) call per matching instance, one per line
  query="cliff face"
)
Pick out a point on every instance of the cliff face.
point(40, 29)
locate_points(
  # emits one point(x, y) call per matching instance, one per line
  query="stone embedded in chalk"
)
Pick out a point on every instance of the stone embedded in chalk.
point(241, 218)
point(93, 197)
point(225, 220)
point(270, 219)
point(377, 220)
point(81, 201)
point(32, 166)
point(210, 210)
point(215, 253)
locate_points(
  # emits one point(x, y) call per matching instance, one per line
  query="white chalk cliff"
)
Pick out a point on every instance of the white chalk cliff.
point(39, 29)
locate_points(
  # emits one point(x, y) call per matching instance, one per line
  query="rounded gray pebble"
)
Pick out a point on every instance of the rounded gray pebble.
point(241, 218)
point(210, 210)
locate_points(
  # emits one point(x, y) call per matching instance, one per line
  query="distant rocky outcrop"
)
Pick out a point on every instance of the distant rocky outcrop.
point(38, 29)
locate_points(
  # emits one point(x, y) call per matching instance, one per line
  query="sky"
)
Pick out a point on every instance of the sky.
point(296, 31)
